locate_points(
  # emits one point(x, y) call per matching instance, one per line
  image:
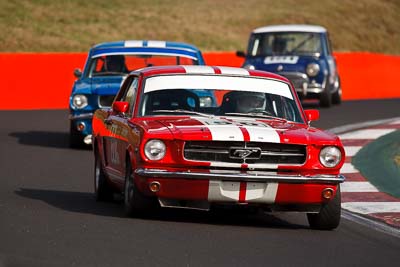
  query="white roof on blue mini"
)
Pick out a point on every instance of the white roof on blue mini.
point(147, 43)
point(291, 28)
point(146, 47)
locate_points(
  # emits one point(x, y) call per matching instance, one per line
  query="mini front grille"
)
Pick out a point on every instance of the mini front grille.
point(106, 100)
point(245, 152)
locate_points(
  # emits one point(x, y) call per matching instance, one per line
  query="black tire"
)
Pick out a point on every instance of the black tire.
point(329, 216)
point(75, 138)
point(102, 189)
point(325, 98)
point(136, 204)
point(337, 96)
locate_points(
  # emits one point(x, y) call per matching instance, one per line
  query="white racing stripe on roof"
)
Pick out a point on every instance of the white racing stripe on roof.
point(199, 69)
point(233, 71)
point(358, 187)
point(156, 44)
point(133, 43)
point(351, 150)
point(372, 207)
point(366, 134)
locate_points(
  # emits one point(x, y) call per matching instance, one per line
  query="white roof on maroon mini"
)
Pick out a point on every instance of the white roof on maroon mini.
point(291, 28)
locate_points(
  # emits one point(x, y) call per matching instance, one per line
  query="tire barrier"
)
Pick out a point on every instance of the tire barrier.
point(44, 80)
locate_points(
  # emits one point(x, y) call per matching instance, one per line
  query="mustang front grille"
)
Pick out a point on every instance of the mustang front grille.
point(245, 152)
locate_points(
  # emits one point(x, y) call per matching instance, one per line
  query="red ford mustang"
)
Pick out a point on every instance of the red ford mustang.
point(253, 146)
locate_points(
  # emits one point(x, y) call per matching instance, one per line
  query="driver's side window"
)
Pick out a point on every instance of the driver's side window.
point(130, 94)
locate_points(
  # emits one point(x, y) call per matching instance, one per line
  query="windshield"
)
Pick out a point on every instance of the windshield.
point(107, 65)
point(284, 43)
point(207, 95)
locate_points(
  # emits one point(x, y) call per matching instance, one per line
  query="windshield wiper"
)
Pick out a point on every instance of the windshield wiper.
point(184, 111)
point(257, 114)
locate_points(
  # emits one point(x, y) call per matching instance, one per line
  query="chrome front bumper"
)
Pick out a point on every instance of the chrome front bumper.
point(81, 116)
point(254, 176)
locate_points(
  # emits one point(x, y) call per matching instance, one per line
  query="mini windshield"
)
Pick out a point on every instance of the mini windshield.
point(224, 96)
point(107, 65)
point(284, 43)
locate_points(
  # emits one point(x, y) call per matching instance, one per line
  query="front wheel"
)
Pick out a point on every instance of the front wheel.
point(135, 202)
point(325, 98)
point(329, 216)
point(102, 190)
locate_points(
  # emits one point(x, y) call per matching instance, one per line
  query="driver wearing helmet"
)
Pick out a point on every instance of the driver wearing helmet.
point(250, 102)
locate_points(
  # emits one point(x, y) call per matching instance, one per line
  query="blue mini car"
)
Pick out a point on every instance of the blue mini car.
point(301, 53)
point(105, 69)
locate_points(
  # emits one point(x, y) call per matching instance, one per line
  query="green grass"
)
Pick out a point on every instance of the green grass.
point(212, 25)
point(377, 163)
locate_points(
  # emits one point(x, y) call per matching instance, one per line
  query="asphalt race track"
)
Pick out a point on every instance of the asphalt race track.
point(48, 216)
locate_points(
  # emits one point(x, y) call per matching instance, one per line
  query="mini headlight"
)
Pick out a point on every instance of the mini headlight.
point(154, 149)
point(312, 69)
point(330, 156)
point(249, 67)
point(79, 101)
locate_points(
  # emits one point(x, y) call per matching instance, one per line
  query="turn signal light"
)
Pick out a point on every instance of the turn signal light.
point(154, 187)
point(80, 127)
point(327, 193)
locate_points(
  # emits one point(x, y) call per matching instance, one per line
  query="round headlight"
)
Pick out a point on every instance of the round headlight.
point(154, 149)
point(312, 69)
point(330, 156)
point(249, 67)
point(79, 101)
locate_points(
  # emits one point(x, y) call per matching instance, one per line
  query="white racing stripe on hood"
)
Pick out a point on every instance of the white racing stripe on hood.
point(258, 131)
point(221, 130)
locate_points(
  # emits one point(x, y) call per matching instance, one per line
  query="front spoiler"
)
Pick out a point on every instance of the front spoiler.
point(254, 176)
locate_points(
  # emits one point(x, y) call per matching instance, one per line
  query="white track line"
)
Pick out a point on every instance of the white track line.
point(372, 207)
point(348, 168)
point(366, 134)
point(351, 150)
point(358, 187)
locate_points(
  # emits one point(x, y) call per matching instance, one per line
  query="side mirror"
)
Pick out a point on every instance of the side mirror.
point(120, 106)
point(77, 73)
point(240, 54)
point(312, 114)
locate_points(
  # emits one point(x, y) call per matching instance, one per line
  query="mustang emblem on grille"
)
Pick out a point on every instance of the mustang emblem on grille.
point(245, 153)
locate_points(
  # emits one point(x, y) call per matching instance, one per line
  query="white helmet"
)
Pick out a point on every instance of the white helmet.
point(250, 101)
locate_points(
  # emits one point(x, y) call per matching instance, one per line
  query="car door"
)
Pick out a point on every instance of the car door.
point(116, 143)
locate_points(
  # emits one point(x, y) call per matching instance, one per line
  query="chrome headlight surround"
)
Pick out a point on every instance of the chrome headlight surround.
point(312, 69)
point(79, 101)
point(155, 149)
point(330, 156)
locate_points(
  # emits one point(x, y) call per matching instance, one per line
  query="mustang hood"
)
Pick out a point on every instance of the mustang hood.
point(238, 129)
point(106, 85)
